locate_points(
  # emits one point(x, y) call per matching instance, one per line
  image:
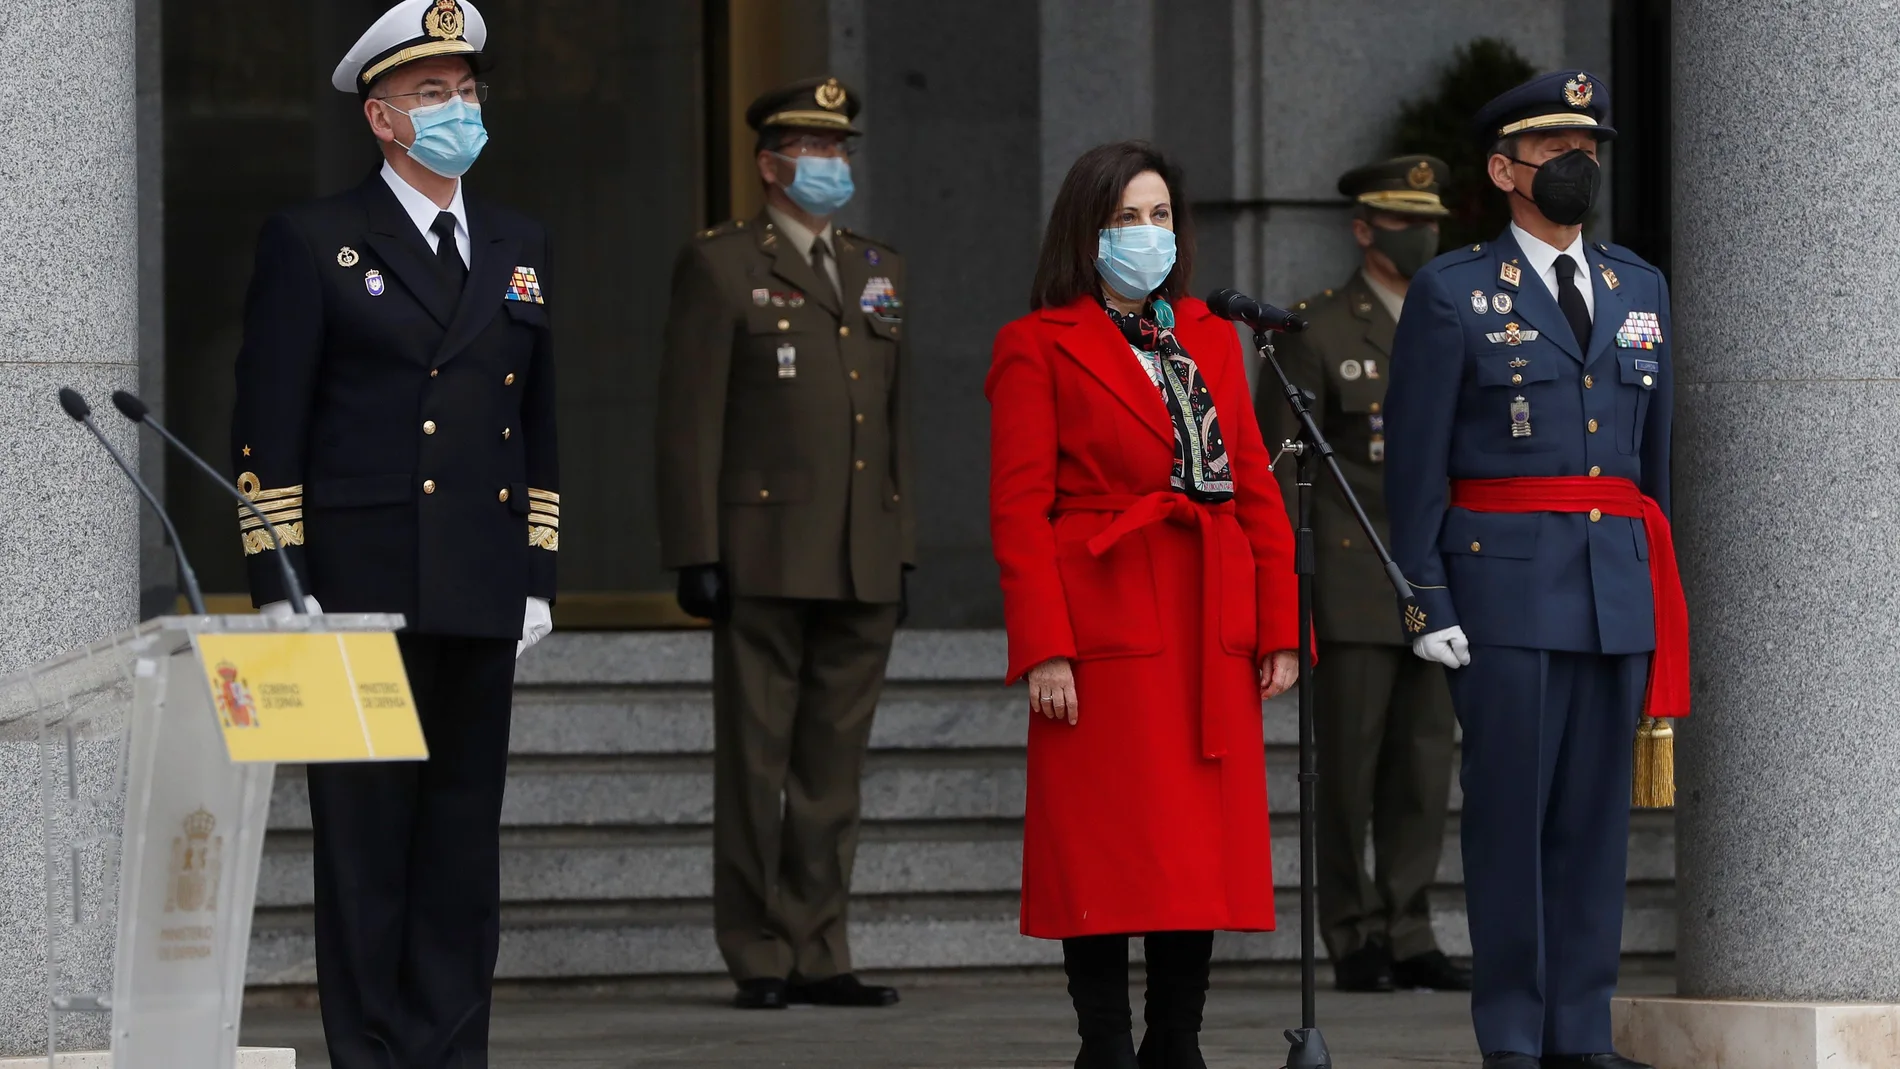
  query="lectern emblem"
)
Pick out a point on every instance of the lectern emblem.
point(194, 876)
point(236, 707)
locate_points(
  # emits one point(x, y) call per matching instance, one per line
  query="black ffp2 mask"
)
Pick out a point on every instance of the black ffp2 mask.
point(1565, 188)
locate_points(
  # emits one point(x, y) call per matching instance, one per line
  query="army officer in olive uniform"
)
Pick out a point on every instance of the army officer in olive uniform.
point(785, 506)
point(1384, 717)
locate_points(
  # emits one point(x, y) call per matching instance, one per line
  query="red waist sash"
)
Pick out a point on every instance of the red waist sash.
point(1668, 694)
point(1137, 511)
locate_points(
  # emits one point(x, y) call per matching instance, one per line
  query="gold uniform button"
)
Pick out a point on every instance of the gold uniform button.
point(854, 375)
point(1475, 547)
point(860, 465)
point(844, 332)
point(1517, 380)
point(505, 432)
point(1595, 471)
point(1345, 543)
point(428, 486)
point(428, 426)
point(1593, 426)
point(504, 495)
point(784, 324)
point(763, 494)
point(1589, 382)
point(1375, 406)
point(859, 417)
point(1648, 380)
point(1595, 515)
point(435, 373)
point(897, 497)
point(510, 380)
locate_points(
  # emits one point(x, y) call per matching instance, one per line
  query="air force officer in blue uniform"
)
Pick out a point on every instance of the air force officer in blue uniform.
point(1529, 417)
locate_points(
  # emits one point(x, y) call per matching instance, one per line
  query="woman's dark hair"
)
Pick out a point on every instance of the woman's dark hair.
point(1090, 194)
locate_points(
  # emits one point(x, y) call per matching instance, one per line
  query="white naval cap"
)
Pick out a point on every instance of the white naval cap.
point(412, 30)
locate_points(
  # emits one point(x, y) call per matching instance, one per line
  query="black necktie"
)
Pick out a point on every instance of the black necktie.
point(446, 254)
point(1570, 299)
point(819, 253)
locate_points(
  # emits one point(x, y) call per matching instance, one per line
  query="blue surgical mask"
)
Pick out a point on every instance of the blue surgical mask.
point(1135, 260)
point(449, 136)
point(823, 184)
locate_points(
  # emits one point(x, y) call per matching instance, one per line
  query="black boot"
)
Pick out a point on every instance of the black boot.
point(1177, 993)
point(1098, 985)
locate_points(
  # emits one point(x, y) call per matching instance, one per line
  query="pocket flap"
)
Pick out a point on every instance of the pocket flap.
point(361, 491)
point(764, 487)
point(892, 329)
point(1361, 398)
point(1639, 371)
point(1494, 368)
point(1512, 536)
point(535, 315)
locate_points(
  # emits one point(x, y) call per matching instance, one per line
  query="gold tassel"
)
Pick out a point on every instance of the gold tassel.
point(1654, 779)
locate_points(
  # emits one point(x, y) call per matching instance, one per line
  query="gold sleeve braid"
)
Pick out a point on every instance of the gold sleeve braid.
point(544, 520)
point(283, 508)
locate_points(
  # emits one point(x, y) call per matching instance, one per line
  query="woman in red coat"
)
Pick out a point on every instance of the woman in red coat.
point(1148, 591)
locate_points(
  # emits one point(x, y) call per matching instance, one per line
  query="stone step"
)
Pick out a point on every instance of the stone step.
point(664, 864)
point(634, 791)
point(571, 721)
point(978, 931)
point(597, 658)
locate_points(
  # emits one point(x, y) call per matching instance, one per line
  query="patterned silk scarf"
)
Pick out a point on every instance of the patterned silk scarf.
point(1200, 453)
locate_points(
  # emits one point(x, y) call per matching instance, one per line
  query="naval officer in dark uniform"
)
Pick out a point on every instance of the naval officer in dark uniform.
point(1528, 481)
point(395, 419)
point(1384, 717)
point(785, 505)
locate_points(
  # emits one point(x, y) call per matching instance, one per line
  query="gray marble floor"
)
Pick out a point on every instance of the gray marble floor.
point(1010, 1023)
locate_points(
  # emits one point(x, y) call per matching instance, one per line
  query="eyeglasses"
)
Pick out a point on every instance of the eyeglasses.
point(428, 98)
point(794, 147)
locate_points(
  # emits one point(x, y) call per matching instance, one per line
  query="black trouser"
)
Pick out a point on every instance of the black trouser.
point(408, 871)
point(1097, 966)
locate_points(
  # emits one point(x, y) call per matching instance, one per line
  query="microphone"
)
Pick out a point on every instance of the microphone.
point(1260, 316)
point(81, 412)
point(135, 410)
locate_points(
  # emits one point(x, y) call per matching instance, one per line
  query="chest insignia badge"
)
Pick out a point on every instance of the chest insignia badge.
point(1351, 370)
point(761, 297)
point(787, 362)
point(1609, 276)
point(796, 300)
point(1372, 369)
point(871, 257)
point(1501, 303)
point(778, 300)
point(1518, 361)
point(524, 286)
point(1520, 417)
point(1512, 334)
point(373, 282)
point(1640, 330)
point(347, 257)
point(1478, 303)
point(880, 298)
point(1511, 274)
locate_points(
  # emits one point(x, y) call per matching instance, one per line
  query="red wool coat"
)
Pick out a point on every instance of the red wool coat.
point(1150, 814)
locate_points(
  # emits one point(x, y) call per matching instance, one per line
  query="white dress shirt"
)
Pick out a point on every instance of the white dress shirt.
point(801, 238)
point(1543, 264)
point(423, 211)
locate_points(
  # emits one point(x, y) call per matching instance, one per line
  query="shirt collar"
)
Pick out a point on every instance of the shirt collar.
point(798, 234)
point(422, 211)
point(1543, 256)
point(1393, 301)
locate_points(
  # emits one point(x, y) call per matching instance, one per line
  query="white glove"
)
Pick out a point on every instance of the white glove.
point(280, 610)
point(1448, 647)
point(535, 625)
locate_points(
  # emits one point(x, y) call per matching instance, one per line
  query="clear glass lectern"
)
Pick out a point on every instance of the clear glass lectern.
point(154, 833)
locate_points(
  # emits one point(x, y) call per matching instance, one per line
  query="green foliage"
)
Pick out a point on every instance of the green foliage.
point(1441, 126)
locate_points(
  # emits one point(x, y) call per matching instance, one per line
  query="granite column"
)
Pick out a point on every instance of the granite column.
point(69, 528)
point(1787, 473)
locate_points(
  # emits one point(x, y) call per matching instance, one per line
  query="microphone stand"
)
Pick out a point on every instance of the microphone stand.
point(1308, 1045)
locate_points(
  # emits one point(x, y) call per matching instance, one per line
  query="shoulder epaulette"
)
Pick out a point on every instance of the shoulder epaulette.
point(864, 240)
point(730, 226)
point(1619, 253)
point(1314, 301)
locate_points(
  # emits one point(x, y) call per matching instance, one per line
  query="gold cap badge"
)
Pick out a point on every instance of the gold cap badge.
point(443, 20)
point(1578, 91)
point(1421, 176)
point(830, 96)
